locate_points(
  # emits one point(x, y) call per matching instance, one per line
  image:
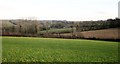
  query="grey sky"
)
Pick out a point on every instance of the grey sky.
point(59, 9)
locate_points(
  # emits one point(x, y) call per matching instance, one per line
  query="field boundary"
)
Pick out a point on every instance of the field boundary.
point(111, 34)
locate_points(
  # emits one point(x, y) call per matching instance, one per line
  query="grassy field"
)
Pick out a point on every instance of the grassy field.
point(25, 49)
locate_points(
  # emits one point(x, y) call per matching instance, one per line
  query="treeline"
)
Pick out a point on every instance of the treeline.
point(97, 25)
point(41, 28)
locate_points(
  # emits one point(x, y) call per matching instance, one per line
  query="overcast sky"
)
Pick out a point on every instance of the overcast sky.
point(59, 9)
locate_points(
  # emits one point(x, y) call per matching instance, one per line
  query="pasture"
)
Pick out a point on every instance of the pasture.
point(29, 49)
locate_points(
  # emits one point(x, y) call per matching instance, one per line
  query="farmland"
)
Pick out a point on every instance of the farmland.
point(56, 28)
point(29, 49)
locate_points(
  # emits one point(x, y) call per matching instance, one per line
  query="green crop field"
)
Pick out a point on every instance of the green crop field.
point(28, 49)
